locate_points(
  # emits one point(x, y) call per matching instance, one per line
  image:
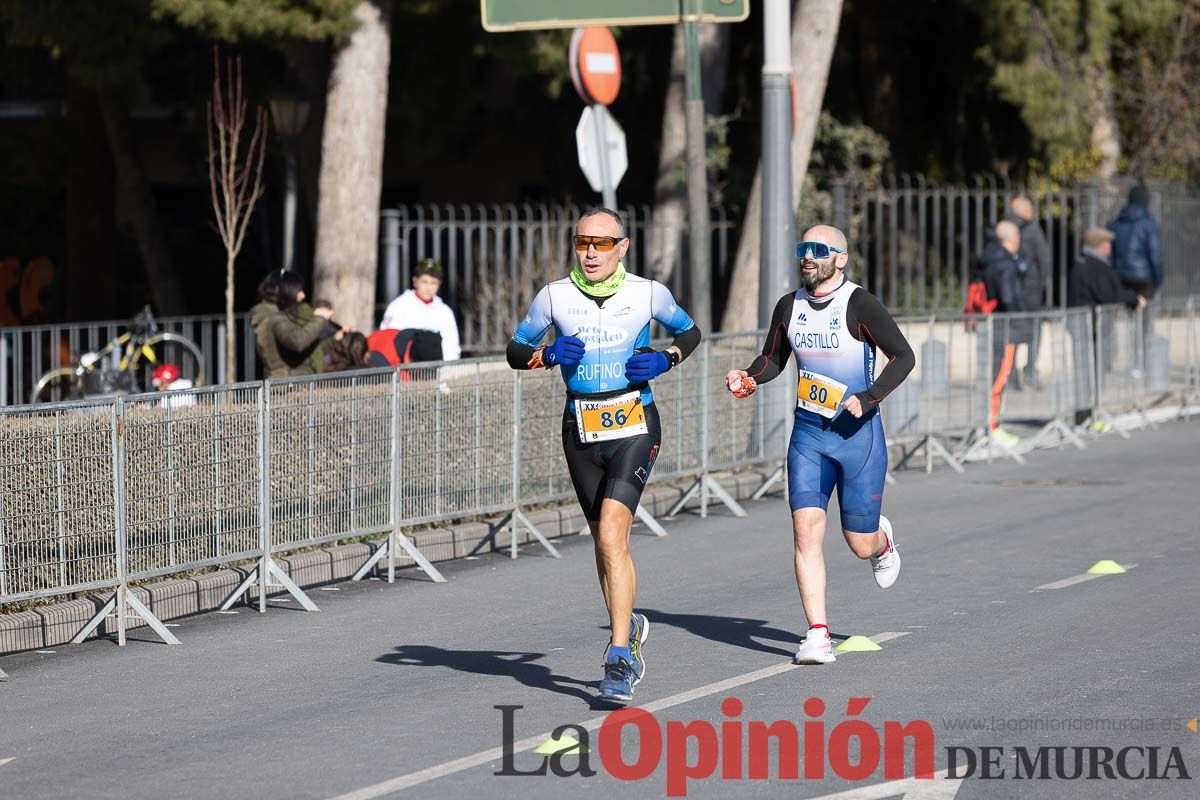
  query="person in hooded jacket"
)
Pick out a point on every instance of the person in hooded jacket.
point(1137, 256)
point(1137, 244)
point(284, 344)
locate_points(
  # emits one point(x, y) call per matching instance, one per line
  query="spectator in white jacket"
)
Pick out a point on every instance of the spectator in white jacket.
point(420, 309)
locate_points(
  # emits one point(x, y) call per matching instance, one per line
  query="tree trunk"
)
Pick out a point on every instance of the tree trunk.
point(670, 189)
point(352, 170)
point(135, 202)
point(1104, 135)
point(1103, 132)
point(814, 35)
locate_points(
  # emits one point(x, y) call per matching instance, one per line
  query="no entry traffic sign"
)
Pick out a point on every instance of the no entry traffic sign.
point(595, 65)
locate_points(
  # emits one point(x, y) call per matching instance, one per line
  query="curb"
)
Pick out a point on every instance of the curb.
point(173, 598)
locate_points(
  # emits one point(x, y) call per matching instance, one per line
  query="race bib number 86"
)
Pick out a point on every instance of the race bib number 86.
point(819, 394)
point(613, 418)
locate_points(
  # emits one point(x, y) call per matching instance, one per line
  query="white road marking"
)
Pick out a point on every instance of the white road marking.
point(47, 652)
point(1065, 582)
point(1074, 579)
point(227, 612)
point(590, 724)
point(4, 761)
point(939, 788)
point(330, 589)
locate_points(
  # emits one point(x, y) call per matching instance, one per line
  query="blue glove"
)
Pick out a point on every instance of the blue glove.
point(566, 352)
point(642, 367)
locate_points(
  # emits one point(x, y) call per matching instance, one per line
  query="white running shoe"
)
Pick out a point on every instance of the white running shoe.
point(817, 648)
point(887, 566)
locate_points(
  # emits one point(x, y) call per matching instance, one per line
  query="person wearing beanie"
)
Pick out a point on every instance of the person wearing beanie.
point(1137, 257)
point(1137, 244)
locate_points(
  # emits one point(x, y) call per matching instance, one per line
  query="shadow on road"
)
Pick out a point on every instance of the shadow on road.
point(736, 631)
point(518, 666)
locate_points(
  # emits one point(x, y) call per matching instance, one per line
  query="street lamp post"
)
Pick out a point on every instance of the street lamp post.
point(290, 112)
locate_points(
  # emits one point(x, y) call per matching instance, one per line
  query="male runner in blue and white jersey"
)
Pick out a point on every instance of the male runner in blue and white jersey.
point(833, 326)
point(610, 431)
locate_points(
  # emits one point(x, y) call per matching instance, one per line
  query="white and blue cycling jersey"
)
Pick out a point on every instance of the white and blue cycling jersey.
point(612, 328)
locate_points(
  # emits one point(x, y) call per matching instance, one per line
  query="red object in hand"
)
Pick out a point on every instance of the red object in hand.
point(743, 387)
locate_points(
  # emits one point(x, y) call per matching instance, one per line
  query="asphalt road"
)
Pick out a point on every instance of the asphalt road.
point(391, 686)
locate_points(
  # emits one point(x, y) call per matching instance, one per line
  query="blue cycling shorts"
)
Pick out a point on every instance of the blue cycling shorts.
point(845, 452)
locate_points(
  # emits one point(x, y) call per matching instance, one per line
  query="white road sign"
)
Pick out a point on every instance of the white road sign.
point(603, 164)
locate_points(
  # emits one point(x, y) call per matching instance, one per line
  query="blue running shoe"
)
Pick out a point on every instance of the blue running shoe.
point(618, 681)
point(639, 632)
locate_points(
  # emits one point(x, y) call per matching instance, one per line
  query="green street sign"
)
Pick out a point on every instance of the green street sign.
point(526, 15)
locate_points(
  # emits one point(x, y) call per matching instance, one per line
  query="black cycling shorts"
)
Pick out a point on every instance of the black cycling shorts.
point(616, 469)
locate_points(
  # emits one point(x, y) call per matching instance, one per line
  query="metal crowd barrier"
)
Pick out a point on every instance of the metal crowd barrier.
point(97, 495)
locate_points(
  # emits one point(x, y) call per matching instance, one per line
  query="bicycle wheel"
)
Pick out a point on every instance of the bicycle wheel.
point(167, 348)
point(57, 384)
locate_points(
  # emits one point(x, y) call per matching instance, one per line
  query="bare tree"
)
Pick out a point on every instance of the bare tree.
point(1159, 89)
point(235, 178)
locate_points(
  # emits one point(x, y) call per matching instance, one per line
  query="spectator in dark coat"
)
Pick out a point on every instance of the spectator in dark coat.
point(1038, 268)
point(1093, 283)
point(1137, 255)
point(1137, 247)
point(285, 345)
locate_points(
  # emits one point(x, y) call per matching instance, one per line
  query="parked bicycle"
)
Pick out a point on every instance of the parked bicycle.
point(125, 365)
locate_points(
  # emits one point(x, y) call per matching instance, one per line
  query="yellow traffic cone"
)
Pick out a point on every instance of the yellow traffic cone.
point(857, 644)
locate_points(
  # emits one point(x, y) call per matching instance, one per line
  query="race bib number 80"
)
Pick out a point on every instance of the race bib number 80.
point(613, 418)
point(819, 394)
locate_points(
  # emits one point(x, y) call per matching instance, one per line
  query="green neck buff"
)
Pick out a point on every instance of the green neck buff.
point(605, 288)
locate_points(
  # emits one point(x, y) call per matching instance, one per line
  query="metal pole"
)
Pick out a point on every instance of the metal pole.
point(516, 459)
point(221, 354)
point(122, 533)
point(289, 211)
point(698, 213)
point(608, 193)
point(778, 216)
point(264, 492)
point(394, 477)
point(4, 373)
point(777, 212)
point(391, 254)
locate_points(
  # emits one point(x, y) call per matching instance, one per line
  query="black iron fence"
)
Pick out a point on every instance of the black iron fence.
point(915, 243)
